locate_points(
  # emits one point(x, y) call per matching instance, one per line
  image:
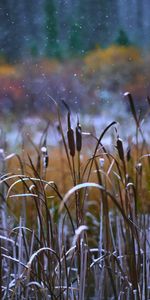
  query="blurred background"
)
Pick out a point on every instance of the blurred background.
point(85, 52)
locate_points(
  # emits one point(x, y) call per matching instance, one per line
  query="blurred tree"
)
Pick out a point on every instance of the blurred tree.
point(10, 34)
point(122, 39)
point(75, 39)
point(61, 27)
point(20, 26)
point(96, 19)
point(52, 42)
point(34, 49)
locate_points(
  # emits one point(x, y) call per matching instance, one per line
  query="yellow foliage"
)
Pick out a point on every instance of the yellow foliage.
point(43, 66)
point(49, 65)
point(100, 58)
point(7, 70)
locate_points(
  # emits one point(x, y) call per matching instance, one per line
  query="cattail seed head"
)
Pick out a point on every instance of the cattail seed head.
point(45, 156)
point(78, 137)
point(132, 107)
point(139, 168)
point(70, 135)
point(128, 154)
point(45, 161)
point(101, 162)
point(71, 142)
point(120, 149)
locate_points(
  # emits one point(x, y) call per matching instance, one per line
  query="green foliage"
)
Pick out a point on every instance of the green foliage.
point(122, 39)
point(75, 41)
point(2, 57)
point(52, 46)
point(34, 49)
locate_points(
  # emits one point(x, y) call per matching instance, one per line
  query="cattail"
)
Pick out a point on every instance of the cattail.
point(45, 157)
point(148, 100)
point(70, 132)
point(120, 149)
point(132, 107)
point(101, 162)
point(139, 168)
point(78, 137)
point(70, 135)
point(128, 154)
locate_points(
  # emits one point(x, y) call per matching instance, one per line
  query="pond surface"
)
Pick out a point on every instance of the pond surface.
point(32, 127)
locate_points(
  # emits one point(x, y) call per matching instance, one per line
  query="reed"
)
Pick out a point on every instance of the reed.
point(87, 240)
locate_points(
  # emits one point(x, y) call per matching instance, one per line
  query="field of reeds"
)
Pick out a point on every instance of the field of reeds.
point(74, 226)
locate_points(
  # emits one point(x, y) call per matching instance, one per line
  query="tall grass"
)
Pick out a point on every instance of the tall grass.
point(88, 241)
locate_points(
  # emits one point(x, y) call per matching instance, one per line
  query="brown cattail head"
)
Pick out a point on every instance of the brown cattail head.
point(120, 149)
point(132, 107)
point(128, 154)
point(71, 142)
point(148, 100)
point(139, 168)
point(45, 156)
point(70, 132)
point(69, 121)
point(70, 135)
point(78, 137)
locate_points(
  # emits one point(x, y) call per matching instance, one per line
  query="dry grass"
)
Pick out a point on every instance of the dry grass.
point(76, 227)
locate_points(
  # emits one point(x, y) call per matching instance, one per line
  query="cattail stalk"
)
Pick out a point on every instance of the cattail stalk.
point(78, 145)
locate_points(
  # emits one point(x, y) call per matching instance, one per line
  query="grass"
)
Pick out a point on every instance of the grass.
point(73, 227)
